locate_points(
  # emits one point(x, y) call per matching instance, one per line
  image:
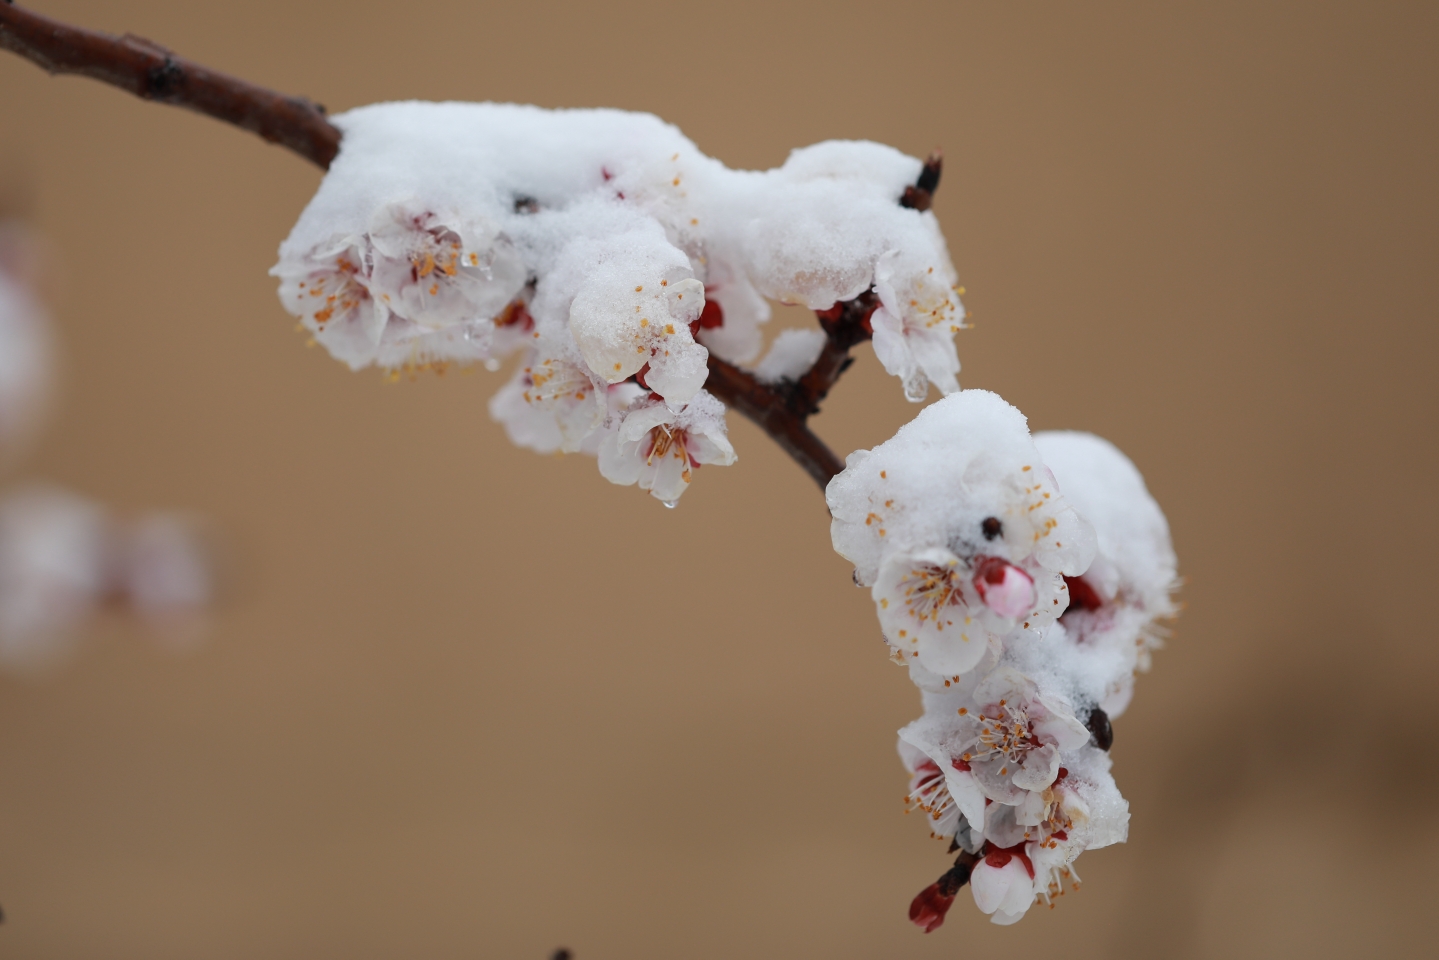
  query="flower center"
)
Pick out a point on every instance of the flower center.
point(929, 589)
point(1008, 734)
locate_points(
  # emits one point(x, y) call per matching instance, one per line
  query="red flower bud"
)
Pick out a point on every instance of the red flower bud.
point(928, 909)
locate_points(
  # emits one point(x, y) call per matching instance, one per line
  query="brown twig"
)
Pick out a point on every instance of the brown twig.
point(921, 195)
point(151, 72)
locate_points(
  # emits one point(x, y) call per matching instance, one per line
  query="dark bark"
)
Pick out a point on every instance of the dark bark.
point(151, 72)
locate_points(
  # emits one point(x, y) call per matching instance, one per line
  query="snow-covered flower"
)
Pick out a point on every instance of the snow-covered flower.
point(1013, 740)
point(435, 216)
point(946, 612)
point(1083, 810)
point(915, 323)
point(962, 475)
point(1116, 603)
point(633, 314)
point(327, 288)
point(660, 449)
point(960, 531)
point(415, 288)
point(437, 271)
point(553, 403)
point(1004, 747)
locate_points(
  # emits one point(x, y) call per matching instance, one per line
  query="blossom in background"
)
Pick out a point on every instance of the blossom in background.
point(54, 568)
point(660, 449)
point(62, 556)
point(26, 353)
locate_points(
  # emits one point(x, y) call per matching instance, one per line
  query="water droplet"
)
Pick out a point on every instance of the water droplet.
point(670, 504)
point(492, 364)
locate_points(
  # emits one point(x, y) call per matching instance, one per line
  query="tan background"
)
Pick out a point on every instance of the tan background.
point(467, 701)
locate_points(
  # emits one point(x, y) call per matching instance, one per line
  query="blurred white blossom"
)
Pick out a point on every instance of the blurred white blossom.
point(63, 556)
point(26, 352)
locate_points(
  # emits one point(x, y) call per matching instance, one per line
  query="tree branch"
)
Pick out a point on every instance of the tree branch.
point(151, 72)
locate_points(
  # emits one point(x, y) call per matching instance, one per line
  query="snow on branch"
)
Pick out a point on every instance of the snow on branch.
point(152, 72)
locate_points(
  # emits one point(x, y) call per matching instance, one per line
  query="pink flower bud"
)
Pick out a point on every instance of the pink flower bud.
point(1005, 589)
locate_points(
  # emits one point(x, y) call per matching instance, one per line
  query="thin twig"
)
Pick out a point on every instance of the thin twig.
point(151, 72)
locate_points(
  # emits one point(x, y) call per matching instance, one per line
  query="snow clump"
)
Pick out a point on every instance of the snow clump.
point(608, 250)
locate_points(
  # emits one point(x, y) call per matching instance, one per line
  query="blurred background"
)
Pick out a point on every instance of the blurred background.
point(463, 700)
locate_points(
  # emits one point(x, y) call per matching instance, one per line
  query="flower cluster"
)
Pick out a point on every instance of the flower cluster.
point(1022, 613)
point(615, 258)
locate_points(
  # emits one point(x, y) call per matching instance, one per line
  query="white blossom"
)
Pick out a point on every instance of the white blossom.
point(944, 788)
point(62, 555)
point(963, 475)
point(553, 403)
point(729, 326)
point(918, 316)
point(661, 449)
point(440, 270)
point(415, 288)
point(1003, 885)
point(328, 288)
point(960, 531)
